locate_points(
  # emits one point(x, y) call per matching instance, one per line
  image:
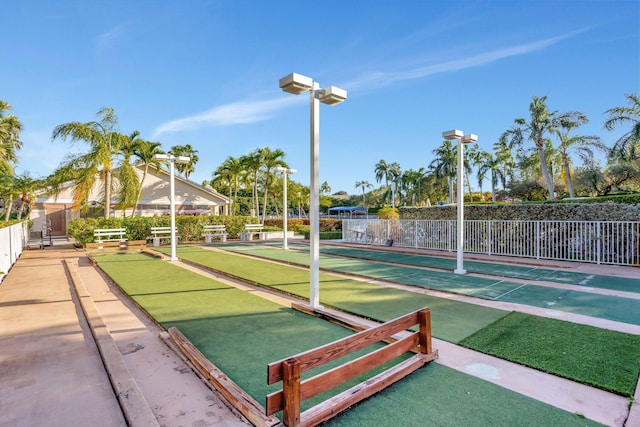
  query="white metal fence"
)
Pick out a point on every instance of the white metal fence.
point(13, 240)
point(602, 242)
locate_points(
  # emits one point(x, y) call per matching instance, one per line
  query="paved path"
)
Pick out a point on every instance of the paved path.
point(52, 370)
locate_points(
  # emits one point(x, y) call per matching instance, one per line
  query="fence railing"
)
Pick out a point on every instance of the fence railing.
point(13, 240)
point(602, 242)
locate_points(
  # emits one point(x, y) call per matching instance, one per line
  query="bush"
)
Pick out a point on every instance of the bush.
point(189, 227)
point(388, 213)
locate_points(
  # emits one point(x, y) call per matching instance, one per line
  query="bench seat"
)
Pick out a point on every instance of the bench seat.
point(216, 230)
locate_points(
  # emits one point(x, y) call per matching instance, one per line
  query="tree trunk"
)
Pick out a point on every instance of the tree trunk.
point(7, 208)
point(450, 190)
point(107, 193)
point(548, 179)
point(567, 173)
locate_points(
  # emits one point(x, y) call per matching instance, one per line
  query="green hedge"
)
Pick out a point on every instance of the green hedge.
point(189, 228)
point(555, 211)
point(325, 235)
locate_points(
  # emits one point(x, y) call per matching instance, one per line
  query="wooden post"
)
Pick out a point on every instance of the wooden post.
point(424, 319)
point(291, 392)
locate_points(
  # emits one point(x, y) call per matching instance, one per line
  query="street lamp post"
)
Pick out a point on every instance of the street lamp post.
point(461, 139)
point(285, 172)
point(296, 84)
point(172, 197)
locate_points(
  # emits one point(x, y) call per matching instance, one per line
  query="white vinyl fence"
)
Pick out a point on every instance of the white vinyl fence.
point(13, 240)
point(602, 242)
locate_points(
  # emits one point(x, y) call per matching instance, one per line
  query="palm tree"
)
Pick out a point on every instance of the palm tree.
point(145, 152)
point(129, 182)
point(251, 164)
point(504, 159)
point(231, 171)
point(489, 163)
point(324, 188)
point(185, 150)
point(269, 159)
point(628, 146)
point(82, 169)
point(10, 128)
point(26, 187)
point(541, 122)
point(445, 164)
point(581, 144)
point(363, 185)
point(10, 142)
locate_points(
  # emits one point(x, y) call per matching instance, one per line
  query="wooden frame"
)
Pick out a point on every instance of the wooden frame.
point(294, 391)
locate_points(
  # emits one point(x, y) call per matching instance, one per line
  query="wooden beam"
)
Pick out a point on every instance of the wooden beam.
point(291, 391)
point(331, 407)
point(311, 387)
point(334, 350)
point(424, 319)
point(237, 397)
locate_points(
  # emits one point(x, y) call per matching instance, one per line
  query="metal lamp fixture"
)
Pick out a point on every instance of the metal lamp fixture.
point(172, 197)
point(461, 139)
point(296, 84)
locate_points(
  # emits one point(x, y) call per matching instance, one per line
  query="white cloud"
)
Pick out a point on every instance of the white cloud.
point(380, 79)
point(241, 112)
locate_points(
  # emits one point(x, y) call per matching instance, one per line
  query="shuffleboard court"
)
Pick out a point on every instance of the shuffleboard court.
point(620, 309)
point(241, 333)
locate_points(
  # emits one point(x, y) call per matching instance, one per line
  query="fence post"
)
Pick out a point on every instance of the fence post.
point(424, 319)
point(291, 392)
point(599, 245)
point(537, 239)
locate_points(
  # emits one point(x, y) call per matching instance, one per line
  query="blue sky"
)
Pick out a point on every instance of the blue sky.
point(206, 73)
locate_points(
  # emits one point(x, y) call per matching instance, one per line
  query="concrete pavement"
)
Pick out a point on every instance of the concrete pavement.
point(55, 373)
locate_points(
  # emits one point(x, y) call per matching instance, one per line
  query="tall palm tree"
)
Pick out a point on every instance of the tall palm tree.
point(145, 152)
point(269, 159)
point(580, 144)
point(493, 164)
point(251, 164)
point(185, 150)
point(628, 146)
point(445, 164)
point(363, 185)
point(103, 141)
point(541, 122)
point(129, 182)
point(26, 187)
point(504, 159)
point(10, 128)
point(231, 171)
point(325, 188)
point(10, 142)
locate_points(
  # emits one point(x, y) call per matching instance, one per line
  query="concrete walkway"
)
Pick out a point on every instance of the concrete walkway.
point(55, 373)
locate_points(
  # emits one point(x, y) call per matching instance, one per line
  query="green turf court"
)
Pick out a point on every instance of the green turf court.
point(241, 333)
point(626, 310)
point(348, 295)
point(452, 320)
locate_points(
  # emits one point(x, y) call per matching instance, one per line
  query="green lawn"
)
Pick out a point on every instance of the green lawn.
point(598, 357)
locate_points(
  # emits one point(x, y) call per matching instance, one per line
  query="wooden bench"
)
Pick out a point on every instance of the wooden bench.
point(158, 233)
point(216, 230)
point(250, 230)
point(110, 235)
point(294, 390)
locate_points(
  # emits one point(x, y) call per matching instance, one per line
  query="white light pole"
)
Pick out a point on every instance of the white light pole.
point(172, 159)
point(285, 172)
point(462, 139)
point(296, 84)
